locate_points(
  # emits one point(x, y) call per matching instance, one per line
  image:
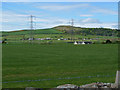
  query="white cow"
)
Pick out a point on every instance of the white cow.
point(75, 43)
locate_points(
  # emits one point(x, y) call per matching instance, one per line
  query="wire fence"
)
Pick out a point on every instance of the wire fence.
point(49, 79)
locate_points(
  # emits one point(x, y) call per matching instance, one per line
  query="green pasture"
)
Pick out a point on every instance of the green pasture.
point(50, 33)
point(37, 31)
point(25, 61)
point(96, 39)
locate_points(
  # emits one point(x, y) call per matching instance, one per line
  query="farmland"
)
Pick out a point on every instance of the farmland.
point(49, 63)
point(64, 32)
point(59, 60)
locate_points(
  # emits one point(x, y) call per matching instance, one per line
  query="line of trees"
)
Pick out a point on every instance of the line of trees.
point(94, 31)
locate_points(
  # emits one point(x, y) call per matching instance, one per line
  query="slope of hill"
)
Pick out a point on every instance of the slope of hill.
point(87, 31)
point(68, 30)
point(37, 31)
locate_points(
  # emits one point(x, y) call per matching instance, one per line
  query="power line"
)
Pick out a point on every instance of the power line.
point(72, 24)
point(31, 26)
point(31, 22)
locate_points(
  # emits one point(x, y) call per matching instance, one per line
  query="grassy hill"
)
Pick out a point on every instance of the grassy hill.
point(37, 31)
point(88, 31)
point(68, 30)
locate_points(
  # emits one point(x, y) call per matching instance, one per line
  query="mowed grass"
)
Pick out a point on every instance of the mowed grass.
point(36, 61)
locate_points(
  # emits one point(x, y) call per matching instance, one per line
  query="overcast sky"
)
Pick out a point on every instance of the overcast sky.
point(16, 15)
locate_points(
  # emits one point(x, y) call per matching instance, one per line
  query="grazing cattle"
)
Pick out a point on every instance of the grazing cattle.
point(108, 41)
point(75, 43)
point(4, 42)
point(88, 42)
point(78, 42)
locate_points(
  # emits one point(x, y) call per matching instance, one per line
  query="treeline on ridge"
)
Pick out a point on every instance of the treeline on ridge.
point(88, 31)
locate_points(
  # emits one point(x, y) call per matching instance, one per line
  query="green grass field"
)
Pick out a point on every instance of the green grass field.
point(37, 31)
point(51, 33)
point(100, 39)
point(57, 60)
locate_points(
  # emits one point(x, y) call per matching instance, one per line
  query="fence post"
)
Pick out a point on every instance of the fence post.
point(117, 81)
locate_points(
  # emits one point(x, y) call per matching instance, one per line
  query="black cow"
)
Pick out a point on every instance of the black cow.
point(88, 42)
point(108, 41)
point(4, 42)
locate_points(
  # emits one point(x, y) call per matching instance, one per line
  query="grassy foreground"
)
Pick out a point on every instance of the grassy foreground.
point(36, 61)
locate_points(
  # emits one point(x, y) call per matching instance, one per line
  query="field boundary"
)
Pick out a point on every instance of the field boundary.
point(60, 78)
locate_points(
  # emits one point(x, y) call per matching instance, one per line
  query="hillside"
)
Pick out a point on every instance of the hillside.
point(87, 31)
point(37, 31)
point(68, 30)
